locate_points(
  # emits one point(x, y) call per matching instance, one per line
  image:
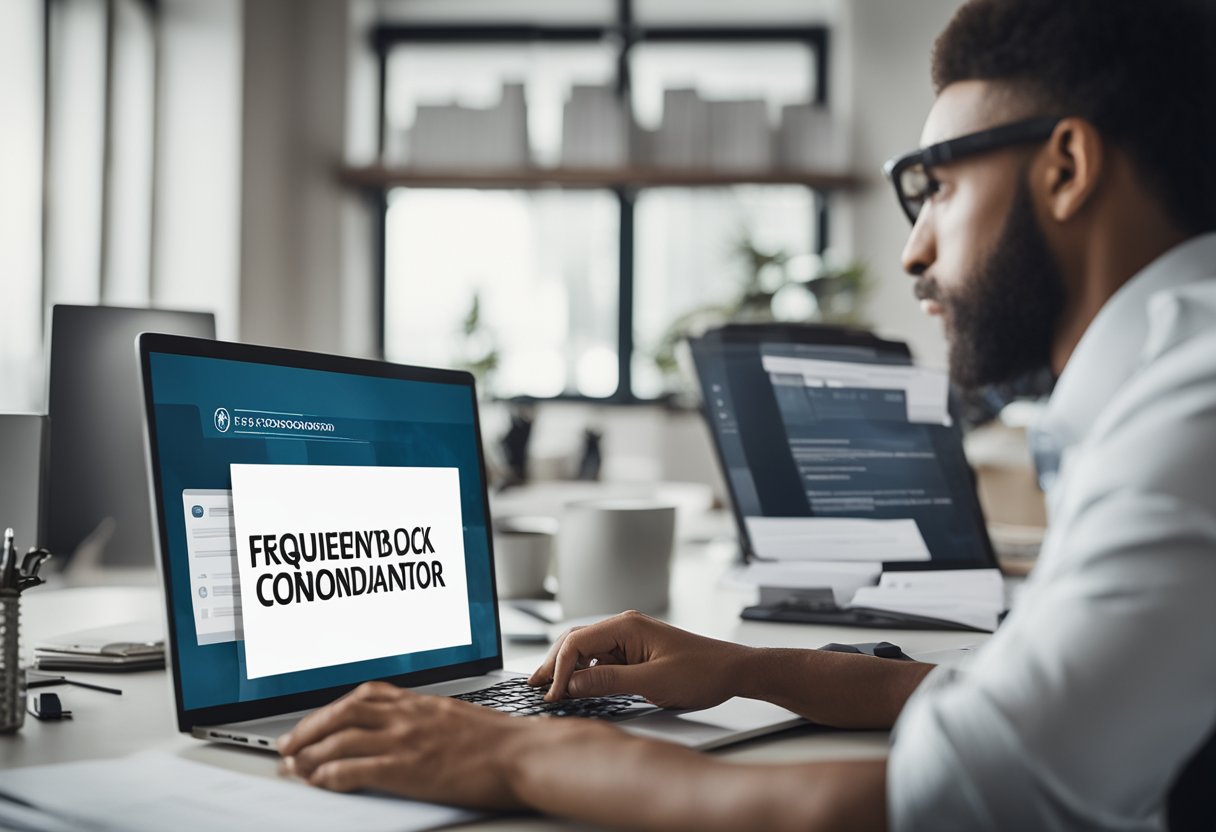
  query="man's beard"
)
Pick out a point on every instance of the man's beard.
point(1001, 321)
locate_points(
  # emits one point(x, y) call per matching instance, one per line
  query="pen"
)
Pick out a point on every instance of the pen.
point(61, 680)
point(8, 574)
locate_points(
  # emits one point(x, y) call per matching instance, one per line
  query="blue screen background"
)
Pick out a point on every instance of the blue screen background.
point(405, 423)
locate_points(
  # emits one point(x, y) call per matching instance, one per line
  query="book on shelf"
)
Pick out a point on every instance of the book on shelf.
point(739, 135)
point(810, 138)
point(600, 133)
point(450, 136)
point(596, 128)
point(682, 140)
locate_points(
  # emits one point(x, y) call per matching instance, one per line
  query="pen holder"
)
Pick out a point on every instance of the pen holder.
point(12, 677)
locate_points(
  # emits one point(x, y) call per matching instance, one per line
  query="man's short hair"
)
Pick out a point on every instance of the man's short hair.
point(1143, 72)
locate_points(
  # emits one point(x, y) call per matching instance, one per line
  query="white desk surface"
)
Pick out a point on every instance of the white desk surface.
point(105, 725)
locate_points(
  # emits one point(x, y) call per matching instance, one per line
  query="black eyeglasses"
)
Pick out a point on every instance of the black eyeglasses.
point(911, 176)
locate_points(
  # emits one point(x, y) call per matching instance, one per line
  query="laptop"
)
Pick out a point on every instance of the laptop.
point(839, 454)
point(323, 521)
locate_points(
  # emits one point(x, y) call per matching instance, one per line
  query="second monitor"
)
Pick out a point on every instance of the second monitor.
point(97, 482)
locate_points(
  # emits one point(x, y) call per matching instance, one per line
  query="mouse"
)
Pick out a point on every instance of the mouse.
point(881, 649)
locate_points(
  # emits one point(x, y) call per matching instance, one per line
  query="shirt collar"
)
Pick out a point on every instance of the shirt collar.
point(1109, 351)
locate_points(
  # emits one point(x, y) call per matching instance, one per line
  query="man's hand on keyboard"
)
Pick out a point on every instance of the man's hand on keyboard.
point(634, 653)
point(386, 738)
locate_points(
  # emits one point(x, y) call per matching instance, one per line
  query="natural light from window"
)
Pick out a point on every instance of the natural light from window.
point(543, 267)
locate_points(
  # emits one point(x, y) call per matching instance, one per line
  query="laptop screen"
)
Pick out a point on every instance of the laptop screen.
point(840, 451)
point(320, 528)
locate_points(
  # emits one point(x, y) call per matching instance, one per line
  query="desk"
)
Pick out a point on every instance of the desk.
point(143, 718)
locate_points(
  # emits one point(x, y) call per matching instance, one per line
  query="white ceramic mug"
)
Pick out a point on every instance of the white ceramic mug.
point(614, 555)
point(523, 553)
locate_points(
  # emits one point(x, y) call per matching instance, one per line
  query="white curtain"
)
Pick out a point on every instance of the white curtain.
point(78, 82)
point(20, 203)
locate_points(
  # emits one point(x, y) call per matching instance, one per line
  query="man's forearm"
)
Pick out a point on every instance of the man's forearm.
point(844, 690)
point(600, 775)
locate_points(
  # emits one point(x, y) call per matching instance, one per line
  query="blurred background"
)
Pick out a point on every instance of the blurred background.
point(548, 193)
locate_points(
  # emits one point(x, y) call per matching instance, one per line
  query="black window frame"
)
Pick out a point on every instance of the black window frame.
point(625, 33)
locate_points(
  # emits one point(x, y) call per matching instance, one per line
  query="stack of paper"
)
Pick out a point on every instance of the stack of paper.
point(842, 578)
point(974, 597)
point(155, 791)
point(722, 135)
point(136, 645)
point(836, 539)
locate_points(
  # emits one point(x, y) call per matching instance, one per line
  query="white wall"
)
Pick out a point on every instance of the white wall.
point(305, 265)
point(359, 309)
point(20, 205)
point(270, 295)
point(881, 64)
point(73, 190)
point(196, 222)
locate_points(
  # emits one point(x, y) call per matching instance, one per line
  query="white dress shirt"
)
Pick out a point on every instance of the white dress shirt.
point(1080, 712)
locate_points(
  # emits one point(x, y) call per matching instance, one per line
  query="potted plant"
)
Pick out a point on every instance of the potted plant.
point(827, 292)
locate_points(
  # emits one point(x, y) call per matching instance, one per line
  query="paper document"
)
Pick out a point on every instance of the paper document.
point(844, 579)
point(836, 538)
point(136, 644)
point(975, 597)
point(133, 638)
point(155, 791)
point(975, 584)
point(926, 391)
point(215, 589)
point(18, 817)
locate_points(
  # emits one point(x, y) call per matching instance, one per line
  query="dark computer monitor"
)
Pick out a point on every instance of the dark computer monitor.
point(97, 486)
point(810, 423)
point(23, 449)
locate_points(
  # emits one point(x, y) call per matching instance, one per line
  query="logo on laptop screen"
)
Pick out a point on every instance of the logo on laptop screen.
point(222, 420)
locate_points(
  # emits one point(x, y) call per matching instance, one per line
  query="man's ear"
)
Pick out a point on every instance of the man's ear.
point(1074, 164)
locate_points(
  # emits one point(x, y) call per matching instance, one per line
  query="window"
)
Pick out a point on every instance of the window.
point(542, 268)
point(687, 245)
point(574, 290)
point(688, 259)
point(541, 265)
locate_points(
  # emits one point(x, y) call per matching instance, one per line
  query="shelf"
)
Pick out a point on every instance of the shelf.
point(387, 35)
point(377, 177)
point(620, 35)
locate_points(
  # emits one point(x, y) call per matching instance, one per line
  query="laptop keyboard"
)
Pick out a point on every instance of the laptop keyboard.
point(517, 698)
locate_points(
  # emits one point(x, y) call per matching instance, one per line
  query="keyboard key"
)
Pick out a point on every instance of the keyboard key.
point(517, 698)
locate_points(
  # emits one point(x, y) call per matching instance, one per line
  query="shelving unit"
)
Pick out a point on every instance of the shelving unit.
point(624, 32)
point(376, 177)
